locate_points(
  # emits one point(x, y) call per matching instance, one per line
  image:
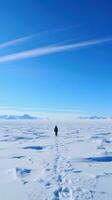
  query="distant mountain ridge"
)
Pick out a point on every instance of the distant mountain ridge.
point(17, 117)
point(93, 117)
point(29, 117)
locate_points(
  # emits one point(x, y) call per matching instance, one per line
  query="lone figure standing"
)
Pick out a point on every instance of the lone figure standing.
point(56, 130)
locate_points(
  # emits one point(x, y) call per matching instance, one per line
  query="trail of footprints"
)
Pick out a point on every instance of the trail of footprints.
point(60, 181)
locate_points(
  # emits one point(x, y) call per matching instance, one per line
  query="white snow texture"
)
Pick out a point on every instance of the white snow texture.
point(37, 165)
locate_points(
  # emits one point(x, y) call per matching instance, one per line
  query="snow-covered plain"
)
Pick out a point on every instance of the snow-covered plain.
point(36, 165)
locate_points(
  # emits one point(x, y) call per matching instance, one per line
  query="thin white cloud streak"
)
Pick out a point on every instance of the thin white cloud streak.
point(51, 49)
point(35, 109)
point(38, 35)
point(20, 40)
point(15, 42)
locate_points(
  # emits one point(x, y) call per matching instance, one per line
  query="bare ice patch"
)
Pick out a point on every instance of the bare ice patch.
point(38, 148)
point(99, 159)
point(22, 172)
point(17, 157)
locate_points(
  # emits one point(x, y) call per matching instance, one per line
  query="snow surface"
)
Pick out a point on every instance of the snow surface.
point(36, 165)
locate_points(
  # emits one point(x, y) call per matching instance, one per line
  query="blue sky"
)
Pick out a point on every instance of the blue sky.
point(56, 55)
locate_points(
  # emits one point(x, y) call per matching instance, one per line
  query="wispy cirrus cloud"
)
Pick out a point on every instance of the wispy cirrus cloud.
point(21, 40)
point(15, 42)
point(37, 52)
point(38, 35)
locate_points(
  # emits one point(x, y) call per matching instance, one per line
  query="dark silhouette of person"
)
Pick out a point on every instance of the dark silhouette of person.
point(56, 130)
